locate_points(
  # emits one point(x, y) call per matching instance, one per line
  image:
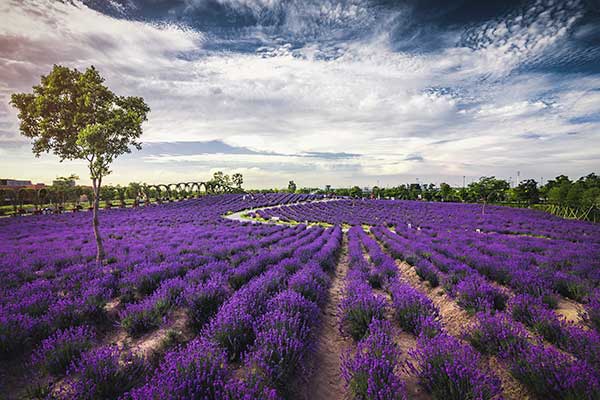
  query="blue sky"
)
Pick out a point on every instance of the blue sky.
point(323, 92)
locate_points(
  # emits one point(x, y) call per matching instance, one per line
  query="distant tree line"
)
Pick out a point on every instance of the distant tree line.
point(561, 192)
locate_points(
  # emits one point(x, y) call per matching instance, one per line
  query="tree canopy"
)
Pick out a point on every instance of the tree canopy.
point(73, 115)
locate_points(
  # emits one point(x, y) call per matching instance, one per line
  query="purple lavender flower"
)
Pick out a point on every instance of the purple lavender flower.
point(584, 344)
point(570, 286)
point(532, 312)
point(14, 331)
point(311, 282)
point(426, 271)
point(592, 310)
point(203, 301)
point(196, 371)
point(280, 346)
point(410, 306)
point(58, 351)
point(451, 370)
point(232, 329)
point(475, 294)
point(250, 387)
point(358, 308)
point(294, 304)
point(497, 333)
point(550, 374)
point(370, 372)
point(104, 373)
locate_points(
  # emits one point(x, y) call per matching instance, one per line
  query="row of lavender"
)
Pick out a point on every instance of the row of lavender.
point(49, 285)
point(435, 258)
point(499, 331)
point(241, 329)
point(445, 366)
point(428, 215)
point(524, 248)
point(264, 329)
point(162, 258)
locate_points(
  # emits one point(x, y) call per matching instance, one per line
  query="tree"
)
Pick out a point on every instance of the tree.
point(238, 180)
point(108, 193)
point(527, 191)
point(134, 190)
point(355, 192)
point(591, 197)
point(575, 195)
point(292, 187)
point(489, 189)
point(342, 191)
point(75, 116)
point(414, 191)
point(447, 192)
point(122, 193)
point(430, 192)
point(376, 192)
point(89, 195)
point(557, 194)
point(64, 188)
point(220, 180)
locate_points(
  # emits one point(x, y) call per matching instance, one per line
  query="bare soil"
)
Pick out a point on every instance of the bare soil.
point(406, 343)
point(325, 381)
point(454, 318)
point(571, 310)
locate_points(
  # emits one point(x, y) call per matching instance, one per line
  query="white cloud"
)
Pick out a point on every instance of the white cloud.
point(463, 109)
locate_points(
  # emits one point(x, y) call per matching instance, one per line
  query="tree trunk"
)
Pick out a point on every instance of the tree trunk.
point(99, 245)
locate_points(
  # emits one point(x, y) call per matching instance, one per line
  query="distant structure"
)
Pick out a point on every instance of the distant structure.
point(14, 182)
point(17, 184)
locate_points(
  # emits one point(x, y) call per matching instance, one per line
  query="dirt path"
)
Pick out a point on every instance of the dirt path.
point(406, 342)
point(238, 216)
point(325, 381)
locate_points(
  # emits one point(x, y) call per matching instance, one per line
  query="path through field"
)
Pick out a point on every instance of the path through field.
point(325, 382)
point(238, 216)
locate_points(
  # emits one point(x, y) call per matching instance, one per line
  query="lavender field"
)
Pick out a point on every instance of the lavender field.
point(231, 297)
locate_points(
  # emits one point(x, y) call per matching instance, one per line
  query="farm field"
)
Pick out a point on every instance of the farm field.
point(285, 296)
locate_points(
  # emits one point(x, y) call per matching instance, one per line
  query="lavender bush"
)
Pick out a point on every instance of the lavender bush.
point(410, 307)
point(550, 374)
point(196, 371)
point(592, 310)
point(426, 271)
point(358, 308)
point(104, 373)
point(369, 372)
point(474, 294)
point(57, 352)
point(203, 300)
point(451, 370)
point(497, 333)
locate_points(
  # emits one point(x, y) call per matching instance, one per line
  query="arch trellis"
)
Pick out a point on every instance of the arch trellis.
point(161, 191)
point(10, 195)
point(181, 190)
point(43, 196)
point(52, 196)
point(27, 196)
